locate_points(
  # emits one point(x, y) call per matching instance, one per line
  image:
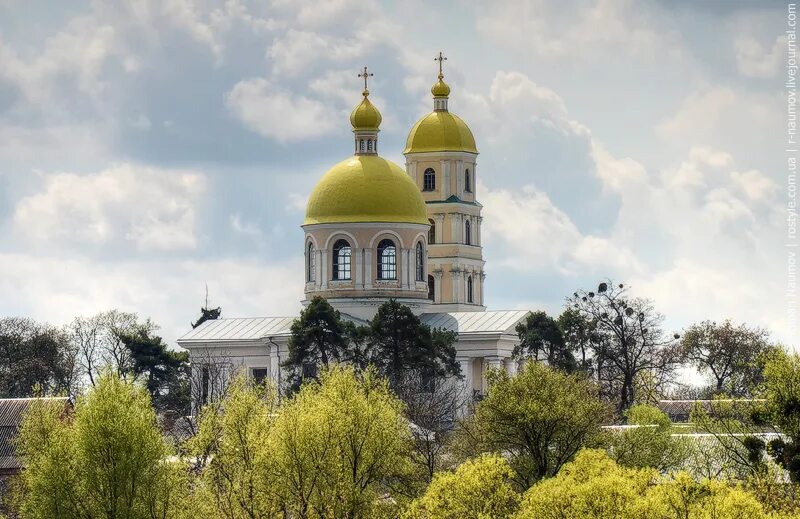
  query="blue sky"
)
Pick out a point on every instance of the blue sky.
point(150, 147)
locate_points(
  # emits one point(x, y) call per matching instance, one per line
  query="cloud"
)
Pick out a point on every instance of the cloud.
point(277, 114)
point(754, 60)
point(152, 208)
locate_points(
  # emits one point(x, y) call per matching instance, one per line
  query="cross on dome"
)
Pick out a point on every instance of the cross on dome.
point(366, 75)
point(440, 59)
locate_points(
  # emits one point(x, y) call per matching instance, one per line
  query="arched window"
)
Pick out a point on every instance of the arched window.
point(429, 180)
point(387, 260)
point(431, 288)
point(468, 233)
point(432, 232)
point(420, 262)
point(469, 289)
point(341, 259)
point(310, 262)
point(467, 182)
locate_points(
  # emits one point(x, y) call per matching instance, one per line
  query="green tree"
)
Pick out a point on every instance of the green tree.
point(650, 444)
point(782, 391)
point(538, 419)
point(541, 338)
point(579, 334)
point(338, 445)
point(34, 355)
point(165, 372)
point(731, 354)
point(238, 474)
point(594, 487)
point(399, 345)
point(109, 460)
point(478, 489)
point(319, 338)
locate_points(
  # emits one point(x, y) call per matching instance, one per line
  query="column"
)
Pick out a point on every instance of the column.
point(437, 289)
point(274, 364)
point(438, 220)
point(323, 271)
point(445, 166)
point(367, 268)
point(510, 365)
point(465, 364)
point(455, 228)
point(460, 178)
point(479, 222)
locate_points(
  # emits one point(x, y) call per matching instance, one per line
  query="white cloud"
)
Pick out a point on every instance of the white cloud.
point(281, 115)
point(754, 60)
point(58, 288)
point(293, 52)
point(155, 209)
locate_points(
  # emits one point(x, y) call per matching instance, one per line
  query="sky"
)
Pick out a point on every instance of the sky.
point(149, 148)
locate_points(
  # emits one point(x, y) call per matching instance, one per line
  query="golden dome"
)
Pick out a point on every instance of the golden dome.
point(440, 88)
point(365, 116)
point(440, 131)
point(366, 188)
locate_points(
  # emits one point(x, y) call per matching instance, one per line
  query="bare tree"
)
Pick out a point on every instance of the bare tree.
point(432, 407)
point(627, 340)
point(98, 342)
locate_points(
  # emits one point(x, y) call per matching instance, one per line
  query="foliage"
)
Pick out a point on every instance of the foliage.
point(319, 337)
point(106, 461)
point(339, 444)
point(730, 354)
point(479, 489)
point(98, 342)
point(165, 372)
point(626, 340)
point(541, 338)
point(399, 345)
point(650, 444)
point(207, 314)
point(593, 486)
point(578, 334)
point(238, 478)
point(34, 355)
point(782, 390)
point(539, 419)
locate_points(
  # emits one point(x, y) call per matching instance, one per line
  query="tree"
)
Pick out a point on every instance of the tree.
point(207, 313)
point(594, 487)
point(34, 355)
point(650, 443)
point(541, 338)
point(98, 342)
point(538, 419)
point(578, 333)
point(109, 460)
point(338, 445)
point(165, 372)
point(730, 354)
point(237, 475)
point(477, 489)
point(627, 340)
point(400, 344)
point(782, 390)
point(319, 337)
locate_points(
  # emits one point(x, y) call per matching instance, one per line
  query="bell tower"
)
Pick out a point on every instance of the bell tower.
point(441, 158)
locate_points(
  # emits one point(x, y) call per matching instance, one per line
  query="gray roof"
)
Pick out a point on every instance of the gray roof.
point(498, 321)
point(257, 328)
point(239, 329)
point(12, 411)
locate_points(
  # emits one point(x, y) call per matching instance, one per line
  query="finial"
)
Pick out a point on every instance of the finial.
point(440, 59)
point(366, 75)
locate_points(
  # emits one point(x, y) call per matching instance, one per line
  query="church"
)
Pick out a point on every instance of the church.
point(374, 231)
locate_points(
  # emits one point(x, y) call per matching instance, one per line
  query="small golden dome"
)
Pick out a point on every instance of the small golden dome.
point(365, 116)
point(440, 88)
point(366, 188)
point(440, 131)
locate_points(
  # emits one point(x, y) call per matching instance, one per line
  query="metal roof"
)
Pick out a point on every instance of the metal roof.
point(498, 321)
point(12, 411)
point(239, 329)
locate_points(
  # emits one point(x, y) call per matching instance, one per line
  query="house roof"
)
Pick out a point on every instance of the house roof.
point(238, 329)
point(256, 328)
point(12, 411)
point(498, 321)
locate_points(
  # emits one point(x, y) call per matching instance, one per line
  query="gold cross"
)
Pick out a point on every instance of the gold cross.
point(440, 59)
point(365, 75)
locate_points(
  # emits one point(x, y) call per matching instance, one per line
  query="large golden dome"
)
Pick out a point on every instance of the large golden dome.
point(440, 131)
point(366, 188)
